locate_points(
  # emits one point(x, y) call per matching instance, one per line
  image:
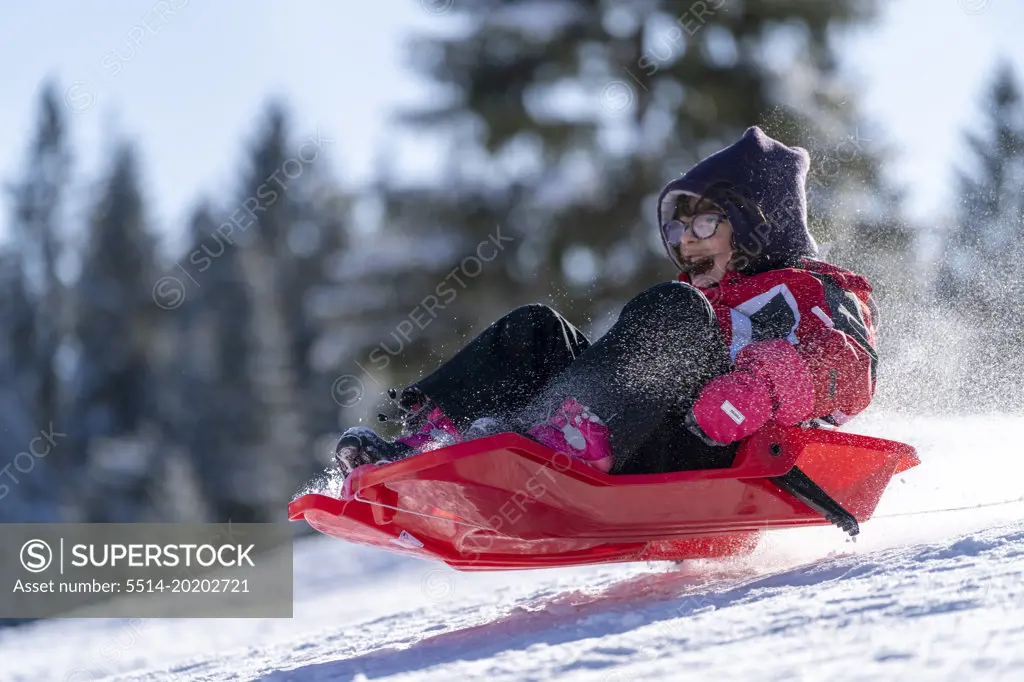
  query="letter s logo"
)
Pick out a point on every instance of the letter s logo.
point(36, 556)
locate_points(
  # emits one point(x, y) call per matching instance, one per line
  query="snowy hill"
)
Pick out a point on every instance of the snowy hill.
point(937, 596)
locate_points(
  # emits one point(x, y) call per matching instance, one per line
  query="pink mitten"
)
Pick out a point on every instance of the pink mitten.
point(770, 382)
point(733, 406)
point(787, 376)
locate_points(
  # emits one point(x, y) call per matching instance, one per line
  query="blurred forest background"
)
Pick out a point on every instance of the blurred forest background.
point(141, 382)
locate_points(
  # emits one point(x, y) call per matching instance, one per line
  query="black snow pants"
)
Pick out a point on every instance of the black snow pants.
point(640, 378)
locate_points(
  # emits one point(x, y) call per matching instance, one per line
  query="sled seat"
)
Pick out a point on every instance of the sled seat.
point(506, 502)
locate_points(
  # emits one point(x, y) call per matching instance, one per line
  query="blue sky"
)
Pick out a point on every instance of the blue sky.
point(189, 91)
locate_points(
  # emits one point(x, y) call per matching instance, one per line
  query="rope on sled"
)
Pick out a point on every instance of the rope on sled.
point(953, 509)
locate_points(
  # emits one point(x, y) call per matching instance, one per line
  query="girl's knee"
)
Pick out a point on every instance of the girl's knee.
point(534, 312)
point(676, 298)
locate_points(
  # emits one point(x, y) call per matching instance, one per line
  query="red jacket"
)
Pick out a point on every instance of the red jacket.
point(826, 313)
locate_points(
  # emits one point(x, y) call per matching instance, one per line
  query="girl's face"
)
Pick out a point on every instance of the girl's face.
point(705, 260)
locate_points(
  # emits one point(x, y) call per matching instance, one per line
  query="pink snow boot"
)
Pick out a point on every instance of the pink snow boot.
point(576, 431)
point(436, 432)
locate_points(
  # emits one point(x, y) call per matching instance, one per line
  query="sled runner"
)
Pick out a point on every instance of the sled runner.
point(506, 502)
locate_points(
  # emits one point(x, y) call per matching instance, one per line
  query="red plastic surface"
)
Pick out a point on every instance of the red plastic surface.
point(507, 502)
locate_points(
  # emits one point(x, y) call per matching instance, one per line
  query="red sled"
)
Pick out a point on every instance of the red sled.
point(506, 502)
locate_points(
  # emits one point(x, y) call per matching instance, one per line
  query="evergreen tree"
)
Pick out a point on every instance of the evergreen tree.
point(272, 181)
point(252, 398)
point(216, 413)
point(32, 321)
point(118, 329)
point(979, 275)
point(319, 237)
point(38, 201)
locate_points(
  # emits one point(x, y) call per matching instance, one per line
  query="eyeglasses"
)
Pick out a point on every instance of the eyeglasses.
point(704, 226)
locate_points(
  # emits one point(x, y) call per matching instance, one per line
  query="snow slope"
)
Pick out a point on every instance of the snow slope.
point(936, 596)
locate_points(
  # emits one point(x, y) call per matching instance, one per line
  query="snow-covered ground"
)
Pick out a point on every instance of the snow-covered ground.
point(936, 596)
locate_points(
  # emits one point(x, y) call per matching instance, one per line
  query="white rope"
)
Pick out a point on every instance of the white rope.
point(952, 509)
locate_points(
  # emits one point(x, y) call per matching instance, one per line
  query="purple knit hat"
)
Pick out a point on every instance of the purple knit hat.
point(760, 184)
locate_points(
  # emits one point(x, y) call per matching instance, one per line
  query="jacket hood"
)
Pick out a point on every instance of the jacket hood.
point(845, 279)
point(760, 183)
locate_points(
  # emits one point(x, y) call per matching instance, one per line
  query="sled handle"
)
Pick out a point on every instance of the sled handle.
point(449, 519)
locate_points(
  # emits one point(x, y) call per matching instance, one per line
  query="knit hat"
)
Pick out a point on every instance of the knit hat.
point(760, 184)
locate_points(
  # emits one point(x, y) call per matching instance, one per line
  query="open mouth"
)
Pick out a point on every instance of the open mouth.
point(697, 265)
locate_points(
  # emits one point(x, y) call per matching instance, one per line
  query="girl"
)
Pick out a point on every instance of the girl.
point(754, 331)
